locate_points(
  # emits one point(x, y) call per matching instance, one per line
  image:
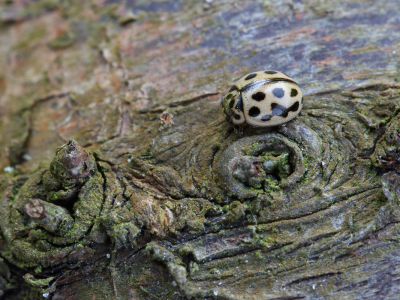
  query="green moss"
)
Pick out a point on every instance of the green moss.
point(265, 242)
point(236, 211)
point(29, 38)
point(386, 120)
point(194, 268)
point(64, 40)
point(37, 282)
point(272, 185)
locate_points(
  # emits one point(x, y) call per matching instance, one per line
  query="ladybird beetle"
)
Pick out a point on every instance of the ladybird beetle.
point(262, 99)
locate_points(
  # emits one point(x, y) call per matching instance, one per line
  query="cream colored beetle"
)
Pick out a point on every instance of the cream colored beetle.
point(262, 99)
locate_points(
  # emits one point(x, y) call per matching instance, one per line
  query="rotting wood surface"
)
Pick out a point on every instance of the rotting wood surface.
point(166, 200)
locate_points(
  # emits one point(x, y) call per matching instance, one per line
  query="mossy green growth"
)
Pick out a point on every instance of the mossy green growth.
point(236, 211)
point(71, 165)
point(271, 185)
point(193, 268)
point(37, 7)
point(64, 40)
point(37, 282)
point(29, 38)
point(186, 250)
point(253, 147)
point(283, 165)
point(265, 242)
point(126, 18)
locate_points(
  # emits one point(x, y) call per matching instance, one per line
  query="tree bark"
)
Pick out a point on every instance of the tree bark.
point(120, 178)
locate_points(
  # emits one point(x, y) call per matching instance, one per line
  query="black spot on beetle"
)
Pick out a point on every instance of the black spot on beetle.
point(250, 76)
point(237, 117)
point(278, 92)
point(233, 88)
point(293, 93)
point(266, 118)
point(270, 72)
point(259, 96)
point(254, 111)
point(232, 103)
point(239, 105)
point(295, 106)
point(279, 110)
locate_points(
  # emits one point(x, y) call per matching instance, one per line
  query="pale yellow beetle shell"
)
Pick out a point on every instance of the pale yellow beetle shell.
point(263, 99)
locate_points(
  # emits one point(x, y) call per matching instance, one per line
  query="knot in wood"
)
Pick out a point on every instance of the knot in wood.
point(257, 164)
point(72, 163)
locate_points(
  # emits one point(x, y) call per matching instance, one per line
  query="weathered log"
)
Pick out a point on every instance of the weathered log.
point(152, 195)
